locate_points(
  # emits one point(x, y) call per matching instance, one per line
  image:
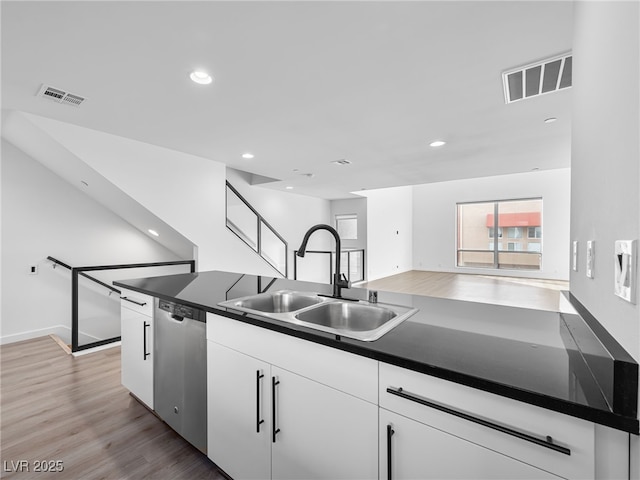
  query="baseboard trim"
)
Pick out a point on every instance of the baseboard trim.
point(59, 330)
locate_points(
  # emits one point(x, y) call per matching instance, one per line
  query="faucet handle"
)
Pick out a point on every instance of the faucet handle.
point(341, 280)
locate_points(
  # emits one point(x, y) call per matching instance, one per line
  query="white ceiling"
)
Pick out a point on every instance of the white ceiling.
point(302, 84)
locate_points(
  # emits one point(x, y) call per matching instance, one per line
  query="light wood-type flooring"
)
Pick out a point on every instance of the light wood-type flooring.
point(57, 407)
point(512, 291)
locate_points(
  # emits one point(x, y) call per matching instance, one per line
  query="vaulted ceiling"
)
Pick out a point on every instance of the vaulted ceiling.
point(302, 84)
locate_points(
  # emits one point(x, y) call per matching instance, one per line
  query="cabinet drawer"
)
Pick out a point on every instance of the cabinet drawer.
point(349, 373)
point(138, 302)
point(501, 424)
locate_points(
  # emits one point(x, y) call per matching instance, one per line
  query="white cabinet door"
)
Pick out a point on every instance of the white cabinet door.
point(136, 354)
point(412, 450)
point(321, 432)
point(238, 414)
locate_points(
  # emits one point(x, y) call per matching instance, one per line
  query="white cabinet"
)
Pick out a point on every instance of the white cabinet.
point(321, 432)
point(277, 417)
point(410, 450)
point(136, 316)
point(487, 427)
point(284, 408)
point(238, 413)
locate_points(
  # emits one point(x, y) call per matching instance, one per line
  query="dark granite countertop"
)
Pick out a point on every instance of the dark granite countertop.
point(559, 361)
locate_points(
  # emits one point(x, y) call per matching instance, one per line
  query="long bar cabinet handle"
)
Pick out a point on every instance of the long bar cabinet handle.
point(144, 340)
point(141, 304)
point(274, 430)
point(390, 432)
point(259, 421)
point(546, 442)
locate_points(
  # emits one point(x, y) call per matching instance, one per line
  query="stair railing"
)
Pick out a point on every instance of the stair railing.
point(252, 228)
point(77, 272)
point(352, 265)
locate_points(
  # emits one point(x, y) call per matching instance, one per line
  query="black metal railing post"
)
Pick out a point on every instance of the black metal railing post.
point(74, 309)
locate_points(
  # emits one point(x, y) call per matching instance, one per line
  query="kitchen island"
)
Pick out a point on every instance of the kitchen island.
point(548, 362)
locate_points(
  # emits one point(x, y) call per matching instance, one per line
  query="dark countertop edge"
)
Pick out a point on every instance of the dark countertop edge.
point(625, 368)
point(607, 340)
point(583, 412)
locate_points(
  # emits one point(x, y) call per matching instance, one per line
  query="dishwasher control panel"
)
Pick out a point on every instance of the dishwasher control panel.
point(182, 311)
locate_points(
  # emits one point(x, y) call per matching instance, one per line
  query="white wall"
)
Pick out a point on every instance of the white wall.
point(42, 215)
point(605, 186)
point(389, 231)
point(185, 191)
point(290, 214)
point(349, 206)
point(434, 219)
point(605, 163)
point(358, 207)
point(188, 193)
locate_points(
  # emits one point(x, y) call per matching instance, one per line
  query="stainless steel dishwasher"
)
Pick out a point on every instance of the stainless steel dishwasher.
point(180, 370)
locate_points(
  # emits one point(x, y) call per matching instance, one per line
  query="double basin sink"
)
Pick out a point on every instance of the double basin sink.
point(356, 319)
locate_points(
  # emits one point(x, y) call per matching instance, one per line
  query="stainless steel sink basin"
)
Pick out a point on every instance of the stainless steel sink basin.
point(277, 302)
point(360, 320)
point(353, 319)
point(357, 317)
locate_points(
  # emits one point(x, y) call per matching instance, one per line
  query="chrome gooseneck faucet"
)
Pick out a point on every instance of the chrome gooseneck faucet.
point(339, 280)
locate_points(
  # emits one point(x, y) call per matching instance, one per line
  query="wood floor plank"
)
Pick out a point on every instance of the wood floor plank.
point(511, 291)
point(58, 407)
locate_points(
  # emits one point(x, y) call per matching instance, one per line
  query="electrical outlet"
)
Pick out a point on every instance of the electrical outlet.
point(625, 270)
point(591, 257)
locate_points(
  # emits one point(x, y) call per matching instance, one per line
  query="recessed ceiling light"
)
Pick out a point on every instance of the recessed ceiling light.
point(289, 187)
point(550, 120)
point(247, 155)
point(437, 143)
point(153, 232)
point(203, 78)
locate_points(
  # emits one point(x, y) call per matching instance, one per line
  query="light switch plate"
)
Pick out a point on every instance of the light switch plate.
point(591, 254)
point(625, 270)
point(574, 256)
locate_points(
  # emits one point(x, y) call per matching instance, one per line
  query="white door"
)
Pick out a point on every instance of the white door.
point(418, 451)
point(321, 432)
point(136, 354)
point(238, 413)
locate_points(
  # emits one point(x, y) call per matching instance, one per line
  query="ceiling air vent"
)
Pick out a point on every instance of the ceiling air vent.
point(535, 79)
point(60, 96)
point(342, 161)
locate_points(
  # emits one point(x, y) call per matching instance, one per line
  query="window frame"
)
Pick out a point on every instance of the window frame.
point(503, 239)
point(535, 232)
point(346, 216)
